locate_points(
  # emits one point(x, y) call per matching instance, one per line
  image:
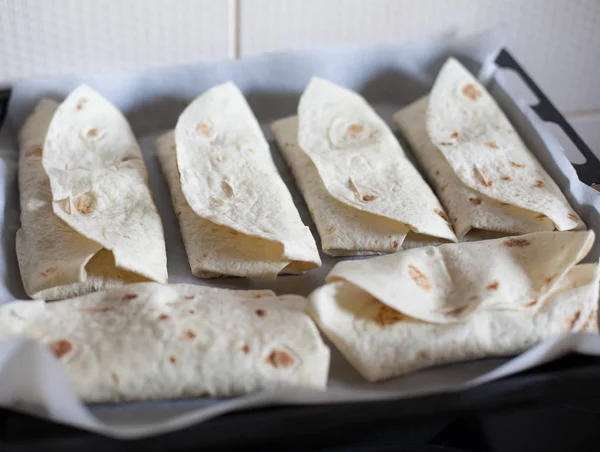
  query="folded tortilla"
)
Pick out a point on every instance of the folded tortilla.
point(482, 171)
point(88, 221)
point(363, 193)
point(423, 307)
point(150, 341)
point(236, 215)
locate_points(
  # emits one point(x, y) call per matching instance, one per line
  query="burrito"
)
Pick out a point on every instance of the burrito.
point(236, 215)
point(150, 341)
point(435, 305)
point(363, 193)
point(483, 173)
point(88, 221)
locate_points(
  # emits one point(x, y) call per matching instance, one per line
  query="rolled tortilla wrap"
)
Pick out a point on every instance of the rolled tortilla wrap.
point(69, 236)
point(363, 193)
point(150, 341)
point(453, 303)
point(481, 170)
point(236, 215)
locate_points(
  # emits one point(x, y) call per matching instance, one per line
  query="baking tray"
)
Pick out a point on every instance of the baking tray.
point(567, 380)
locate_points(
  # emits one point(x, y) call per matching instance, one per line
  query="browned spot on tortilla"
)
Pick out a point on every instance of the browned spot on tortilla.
point(531, 303)
point(513, 242)
point(204, 129)
point(419, 278)
point(114, 377)
point(245, 349)
point(493, 285)
point(192, 311)
point(441, 214)
point(92, 133)
point(492, 144)
point(504, 204)
point(96, 309)
point(437, 173)
point(481, 177)
point(174, 303)
point(173, 147)
point(258, 295)
point(591, 323)
point(129, 296)
point(84, 204)
point(549, 279)
point(61, 347)
point(279, 359)
point(190, 334)
point(446, 143)
point(562, 247)
point(260, 312)
point(251, 151)
point(506, 178)
point(471, 91)
point(218, 159)
point(454, 135)
point(540, 216)
point(475, 201)
point(395, 244)
point(443, 187)
point(517, 165)
point(173, 359)
point(423, 355)
point(188, 297)
point(368, 197)
point(355, 129)
point(163, 317)
point(35, 151)
point(573, 217)
point(538, 184)
point(388, 316)
point(81, 103)
point(48, 271)
point(574, 320)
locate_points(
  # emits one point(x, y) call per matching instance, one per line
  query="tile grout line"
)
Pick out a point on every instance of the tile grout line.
point(235, 17)
point(582, 113)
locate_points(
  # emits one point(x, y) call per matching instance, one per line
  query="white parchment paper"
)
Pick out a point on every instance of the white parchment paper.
point(389, 76)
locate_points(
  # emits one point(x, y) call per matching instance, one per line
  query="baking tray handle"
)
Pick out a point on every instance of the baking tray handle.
point(4, 97)
point(588, 172)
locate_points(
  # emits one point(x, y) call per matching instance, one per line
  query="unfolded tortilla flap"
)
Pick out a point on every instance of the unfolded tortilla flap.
point(55, 261)
point(99, 184)
point(447, 283)
point(344, 230)
point(214, 250)
point(485, 152)
point(361, 163)
point(150, 341)
point(381, 342)
point(228, 176)
point(468, 209)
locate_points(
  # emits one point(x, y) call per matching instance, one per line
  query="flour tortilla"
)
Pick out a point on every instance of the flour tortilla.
point(236, 214)
point(482, 171)
point(150, 341)
point(412, 322)
point(361, 165)
point(55, 261)
point(99, 183)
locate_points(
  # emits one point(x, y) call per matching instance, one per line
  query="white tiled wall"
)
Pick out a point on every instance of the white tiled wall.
point(558, 41)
